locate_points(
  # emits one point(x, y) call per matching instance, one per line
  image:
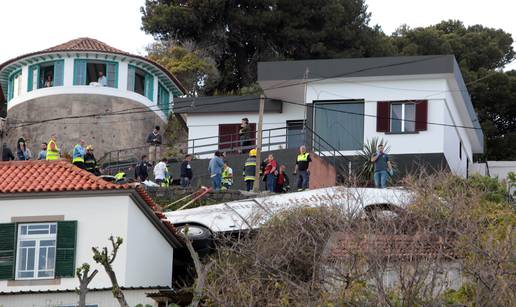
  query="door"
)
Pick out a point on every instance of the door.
point(229, 138)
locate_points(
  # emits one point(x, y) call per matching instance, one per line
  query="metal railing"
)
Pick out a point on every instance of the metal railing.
point(272, 139)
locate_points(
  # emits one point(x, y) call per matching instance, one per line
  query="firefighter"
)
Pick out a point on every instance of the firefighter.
point(52, 150)
point(78, 154)
point(120, 177)
point(250, 170)
point(90, 163)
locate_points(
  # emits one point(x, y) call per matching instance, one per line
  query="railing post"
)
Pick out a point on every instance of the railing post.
point(269, 147)
point(118, 161)
point(193, 147)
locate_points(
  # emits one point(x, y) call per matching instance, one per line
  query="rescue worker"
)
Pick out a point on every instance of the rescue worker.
point(78, 154)
point(53, 153)
point(227, 176)
point(120, 177)
point(302, 162)
point(250, 170)
point(90, 163)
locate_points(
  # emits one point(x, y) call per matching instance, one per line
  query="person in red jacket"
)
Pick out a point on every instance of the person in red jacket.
point(271, 172)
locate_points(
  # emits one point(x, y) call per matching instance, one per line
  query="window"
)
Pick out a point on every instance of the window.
point(339, 124)
point(48, 74)
point(95, 72)
point(37, 250)
point(14, 88)
point(295, 134)
point(36, 254)
point(141, 82)
point(163, 99)
point(402, 116)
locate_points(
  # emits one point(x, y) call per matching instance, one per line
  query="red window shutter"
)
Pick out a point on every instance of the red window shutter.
point(383, 112)
point(421, 115)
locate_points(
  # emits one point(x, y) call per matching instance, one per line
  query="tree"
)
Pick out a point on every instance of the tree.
point(238, 34)
point(106, 259)
point(85, 278)
point(195, 70)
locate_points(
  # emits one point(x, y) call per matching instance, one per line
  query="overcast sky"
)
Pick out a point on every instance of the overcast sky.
point(32, 25)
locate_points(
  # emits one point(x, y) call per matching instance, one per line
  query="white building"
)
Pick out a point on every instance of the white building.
point(76, 89)
point(419, 105)
point(53, 213)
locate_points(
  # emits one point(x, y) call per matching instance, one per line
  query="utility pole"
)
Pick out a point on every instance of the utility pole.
point(3, 128)
point(259, 145)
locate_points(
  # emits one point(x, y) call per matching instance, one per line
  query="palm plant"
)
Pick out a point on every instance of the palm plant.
point(366, 171)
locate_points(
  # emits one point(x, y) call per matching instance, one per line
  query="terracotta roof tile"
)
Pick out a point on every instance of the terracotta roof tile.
point(84, 44)
point(61, 176)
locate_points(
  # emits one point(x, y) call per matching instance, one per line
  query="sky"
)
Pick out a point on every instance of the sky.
point(32, 25)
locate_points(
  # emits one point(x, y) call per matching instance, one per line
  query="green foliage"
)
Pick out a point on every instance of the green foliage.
point(465, 295)
point(195, 70)
point(176, 137)
point(239, 34)
point(491, 188)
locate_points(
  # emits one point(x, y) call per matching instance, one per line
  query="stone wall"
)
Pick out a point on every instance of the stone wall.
point(105, 133)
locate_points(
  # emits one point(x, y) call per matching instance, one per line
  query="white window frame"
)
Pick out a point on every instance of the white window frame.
point(37, 238)
point(403, 118)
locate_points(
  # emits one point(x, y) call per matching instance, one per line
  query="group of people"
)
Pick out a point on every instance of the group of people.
point(82, 155)
point(273, 174)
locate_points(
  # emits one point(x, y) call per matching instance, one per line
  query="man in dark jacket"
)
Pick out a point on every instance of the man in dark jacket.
point(7, 154)
point(90, 162)
point(154, 139)
point(186, 172)
point(140, 171)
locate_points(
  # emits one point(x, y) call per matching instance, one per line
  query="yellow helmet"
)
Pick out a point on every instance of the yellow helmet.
point(252, 152)
point(89, 147)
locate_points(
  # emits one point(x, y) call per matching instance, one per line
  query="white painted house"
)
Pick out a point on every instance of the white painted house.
point(419, 105)
point(53, 213)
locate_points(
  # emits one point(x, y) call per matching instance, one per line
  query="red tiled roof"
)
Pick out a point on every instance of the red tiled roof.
point(49, 176)
point(61, 176)
point(84, 44)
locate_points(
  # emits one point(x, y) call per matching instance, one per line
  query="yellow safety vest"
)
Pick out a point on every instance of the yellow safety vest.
point(119, 175)
point(302, 157)
point(78, 158)
point(52, 155)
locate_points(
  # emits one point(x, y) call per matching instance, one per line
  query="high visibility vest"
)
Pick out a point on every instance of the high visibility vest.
point(77, 156)
point(303, 157)
point(250, 169)
point(52, 155)
point(120, 176)
point(227, 177)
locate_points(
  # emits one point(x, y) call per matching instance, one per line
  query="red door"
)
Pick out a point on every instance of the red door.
point(228, 136)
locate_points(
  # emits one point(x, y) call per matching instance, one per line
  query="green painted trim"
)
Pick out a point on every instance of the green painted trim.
point(10, 86)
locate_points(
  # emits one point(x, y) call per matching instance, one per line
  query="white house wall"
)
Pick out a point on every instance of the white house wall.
point(99, 298)
point(371, 92)
point(148, 251)
point(98, 218)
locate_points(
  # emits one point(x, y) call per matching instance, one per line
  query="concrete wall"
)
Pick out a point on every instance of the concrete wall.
point(144, 258)
point(105, 133)
point(99, 298)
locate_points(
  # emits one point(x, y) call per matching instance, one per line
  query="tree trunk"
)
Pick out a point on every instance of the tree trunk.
point(117, 293)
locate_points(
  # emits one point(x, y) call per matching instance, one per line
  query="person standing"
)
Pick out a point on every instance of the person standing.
point(154, 139)
point(227, 176)
point(215, 170)
point(22, 151)
point(78, 154)
point(102, 81)
point(244, 135)
point(186, 172)
point(382, 164)
point(250, 170)
point(302, 163)
point(271, 172)
point(161, 171)
point(90, 162)
point(141, 172)
point(7, 153)
point(43, 153)
point(53, 153)
point(282, 182)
